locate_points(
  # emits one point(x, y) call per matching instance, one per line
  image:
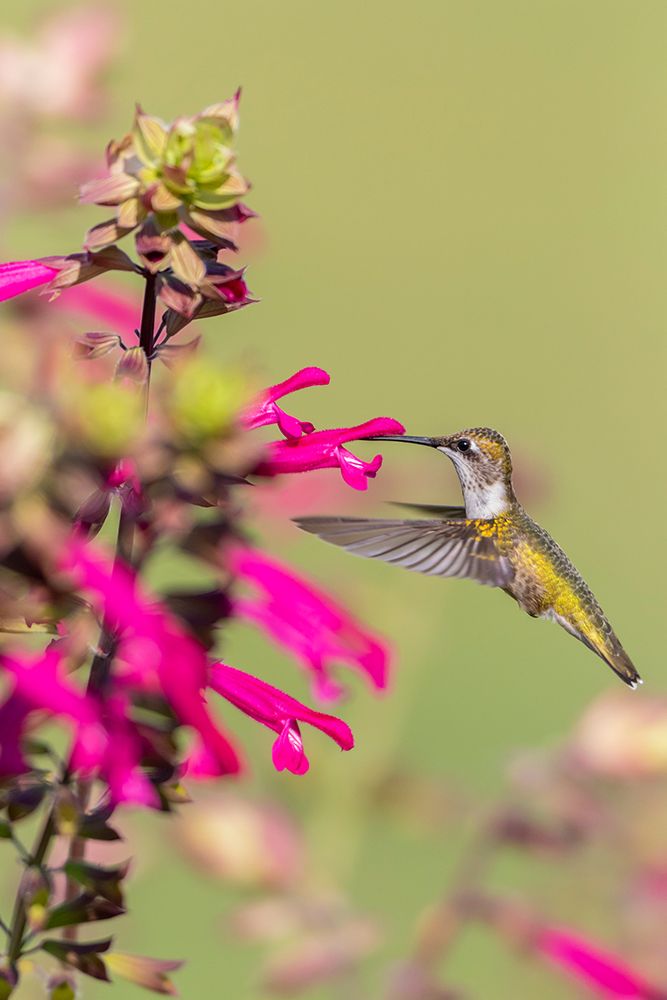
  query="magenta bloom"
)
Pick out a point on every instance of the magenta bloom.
point(14, 714)
point(40, 684)
point(265, 410)
point(155, 654)
point(280, 712)
point(114, 308)
point(230, 284)
point(307, 622)
point(604, 973)
point(22, 275)
point(325, 450)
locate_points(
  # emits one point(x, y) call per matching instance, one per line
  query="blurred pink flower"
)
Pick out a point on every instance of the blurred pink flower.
point(250, 842)
point(603, 972)
point(265, 410)
point(307, 622)
point(110, 305)
point(14, 714)
point(40, 685)
point(20, 276)
point(155, 654)
point(621, 738)
point(55, 76)
point(324, 450)
point(121, 764)
point(280, 712)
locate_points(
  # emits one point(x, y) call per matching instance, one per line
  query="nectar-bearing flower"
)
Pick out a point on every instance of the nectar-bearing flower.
point(130, 673)
point(307, 622)
point(17, 277)
point(604, 973)
point(265, 410)
point(326, 450)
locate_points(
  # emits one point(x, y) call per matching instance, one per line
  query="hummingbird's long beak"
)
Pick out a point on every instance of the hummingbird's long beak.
point(409, 439)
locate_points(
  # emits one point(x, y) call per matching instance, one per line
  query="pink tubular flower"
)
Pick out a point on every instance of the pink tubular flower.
point(604, 973)
point(324, 450)
point(307, 622)
point(40, 685)
point(20, 276)
point(265, 410)
point(157, 654)
point(280, 712)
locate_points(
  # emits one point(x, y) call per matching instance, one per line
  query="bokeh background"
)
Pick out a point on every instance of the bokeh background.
point(463, 220)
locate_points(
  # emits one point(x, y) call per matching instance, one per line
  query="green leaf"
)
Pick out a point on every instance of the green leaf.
point(102, 881)
point(85, 909)
point(84, 957)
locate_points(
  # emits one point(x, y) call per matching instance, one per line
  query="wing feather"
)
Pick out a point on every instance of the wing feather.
point(451, 548)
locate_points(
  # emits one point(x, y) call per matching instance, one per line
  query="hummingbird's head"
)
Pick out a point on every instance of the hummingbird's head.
point(484, 466)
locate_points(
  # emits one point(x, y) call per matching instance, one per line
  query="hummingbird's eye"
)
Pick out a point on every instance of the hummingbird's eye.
point(463, 445)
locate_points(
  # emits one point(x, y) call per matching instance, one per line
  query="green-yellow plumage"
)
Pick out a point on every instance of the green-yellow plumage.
point(492, 540)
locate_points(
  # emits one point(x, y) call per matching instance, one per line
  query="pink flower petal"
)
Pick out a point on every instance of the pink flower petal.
point(322, 450)
point(264, 410)
point(307, 622)
point(119, 310)
point(40, 685)
point(288, 753)
point(280, 712)
point(22, 275)
point(156, 651)
point(604, 972)
point(14, 713)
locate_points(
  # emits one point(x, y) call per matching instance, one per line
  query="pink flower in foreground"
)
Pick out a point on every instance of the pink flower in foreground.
point(56, 73)
point(307, 622)
point(325, 450)
point(604, 973)
point(155, 654)
point(265, 410)
point(118, 310)
point(280, 712)
point(20, 276)
point(40, 684)
point(14, 714)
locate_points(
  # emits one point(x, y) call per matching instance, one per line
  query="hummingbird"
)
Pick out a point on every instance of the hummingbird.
point(491, 539)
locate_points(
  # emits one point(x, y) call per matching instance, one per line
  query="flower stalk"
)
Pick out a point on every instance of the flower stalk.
point(85, 447)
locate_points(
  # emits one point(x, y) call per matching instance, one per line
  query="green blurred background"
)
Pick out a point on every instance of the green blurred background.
point(463, 209)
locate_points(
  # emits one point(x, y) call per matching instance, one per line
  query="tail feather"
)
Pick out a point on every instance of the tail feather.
point(607, 647)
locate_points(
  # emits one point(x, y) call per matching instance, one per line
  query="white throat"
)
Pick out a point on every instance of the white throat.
point(485, 502)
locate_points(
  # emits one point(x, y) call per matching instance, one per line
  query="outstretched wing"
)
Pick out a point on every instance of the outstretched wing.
point(433, 509)
point(439, 548)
